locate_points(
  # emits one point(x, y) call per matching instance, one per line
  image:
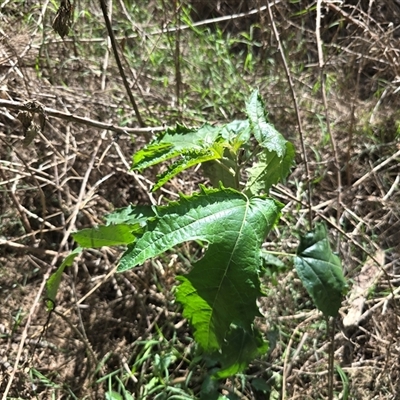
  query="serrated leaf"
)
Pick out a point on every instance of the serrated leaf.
point(321, 271)
point(265, 133)
point(277, 155)
point(130, 215)
point(153, 154)
point(223, 286)
point(269, 170)
point(53, 283)
point(190, 146)
point(107, 235)
point(189, 159)
point(184, 138)
point(173, 142)
point(196, 146)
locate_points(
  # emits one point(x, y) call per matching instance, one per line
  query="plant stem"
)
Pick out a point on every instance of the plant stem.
point(330, 331)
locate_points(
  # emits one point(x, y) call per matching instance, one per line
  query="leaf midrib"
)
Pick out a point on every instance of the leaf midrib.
point(174, 242)
point(230, 259)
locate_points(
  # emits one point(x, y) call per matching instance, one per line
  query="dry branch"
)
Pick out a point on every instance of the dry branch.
point(15, 105)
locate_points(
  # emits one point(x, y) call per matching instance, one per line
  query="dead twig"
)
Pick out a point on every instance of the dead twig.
point(119, 64)
point(15, 105)
point(296, 107)
point(327, 120)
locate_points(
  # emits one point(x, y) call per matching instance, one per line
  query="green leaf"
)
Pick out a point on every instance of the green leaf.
point(184, 138)
point(222, 288)
point(110, 235)
point(173, 143)
point(189, 159)
point(277, 155)
point(321, 271)
point(130, 215)
point(269, 170)
point(265, 133)
point(113, 395)
point(53, 283)
point(240, 347)
point(223, 170)
point(196, 146)
point(236, 133)
point(270, 261)
point(260, 385)
point(153, 154)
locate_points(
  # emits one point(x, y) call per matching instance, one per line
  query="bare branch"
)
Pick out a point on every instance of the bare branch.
point(15, 105)
point(118, 60)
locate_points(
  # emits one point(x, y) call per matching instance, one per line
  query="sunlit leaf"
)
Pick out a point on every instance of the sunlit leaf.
point(276, 155)
point(222, 288)
point(53, 283)
point(107, 235)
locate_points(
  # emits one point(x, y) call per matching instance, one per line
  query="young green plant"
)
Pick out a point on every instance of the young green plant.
point(242, 160)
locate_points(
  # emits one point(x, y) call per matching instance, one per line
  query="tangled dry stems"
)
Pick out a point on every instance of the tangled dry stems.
point(76, 172)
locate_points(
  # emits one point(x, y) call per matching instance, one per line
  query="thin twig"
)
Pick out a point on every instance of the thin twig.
point(178, 75)
point(286, 366)
point(80, 200)
point(296, 107)
point(168, 30)
point(376, 168)
point(24, 335)
point(119, 64)
point(107, 54)
point(83, 337)
point(327, 121)
point(28, 249)
point(15, 105)
point(281, 190)
point(18, 206)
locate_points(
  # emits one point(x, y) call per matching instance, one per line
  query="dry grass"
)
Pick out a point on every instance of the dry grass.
point(76, 171)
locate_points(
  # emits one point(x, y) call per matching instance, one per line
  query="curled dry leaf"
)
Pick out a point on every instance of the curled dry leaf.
point(63, 21)
point(27, 118)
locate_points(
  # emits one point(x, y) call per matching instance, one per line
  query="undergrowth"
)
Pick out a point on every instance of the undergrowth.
point(123, 335)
